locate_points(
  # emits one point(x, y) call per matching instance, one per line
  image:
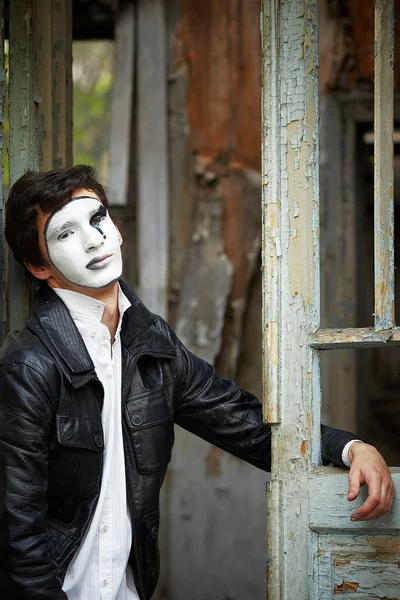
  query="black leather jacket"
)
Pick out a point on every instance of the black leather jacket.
point(51, 439)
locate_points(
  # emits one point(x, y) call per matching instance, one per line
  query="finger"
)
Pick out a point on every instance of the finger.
point(354, 485)
point(390, 497)
point(382, 507)
point(371, 503)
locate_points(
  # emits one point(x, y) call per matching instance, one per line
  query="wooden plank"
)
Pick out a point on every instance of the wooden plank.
point(61, 63)
point(383, 164)
point(22, 150)
point(44, 82)
point(152, 157)
point(121, 106)
point(328, 490)
point(207, 283)
point(271, 235)
point(367, 337)
point(2, 149)
point(338, 260)
point(291, 283)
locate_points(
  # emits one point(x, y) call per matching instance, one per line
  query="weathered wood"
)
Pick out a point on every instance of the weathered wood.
point(383, 165)
point(328, 491)
point(207, 283)
point(121, 106)
point(367, 337)
point(22, 150)
point(2, 149)
point(291, 282)
point(338, 258)
point(62, 83)
point(362, 28)
point(43, 77)
point(241, 190)
point(40, 101)
point(151, 149)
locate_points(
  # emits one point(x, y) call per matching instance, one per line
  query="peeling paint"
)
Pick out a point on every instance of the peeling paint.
point(346, 586)
point(341, 563)
point(383, 166)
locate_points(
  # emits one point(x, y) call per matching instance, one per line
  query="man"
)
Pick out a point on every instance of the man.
point(89, 393)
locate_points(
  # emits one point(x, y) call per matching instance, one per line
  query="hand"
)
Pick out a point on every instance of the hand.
point(368, 467)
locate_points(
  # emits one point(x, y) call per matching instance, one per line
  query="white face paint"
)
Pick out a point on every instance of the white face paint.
point(83, 244)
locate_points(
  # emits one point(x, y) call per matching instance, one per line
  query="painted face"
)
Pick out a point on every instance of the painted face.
point(83, 244)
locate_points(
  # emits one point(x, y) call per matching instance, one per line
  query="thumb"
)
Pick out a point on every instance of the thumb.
point(354, 485)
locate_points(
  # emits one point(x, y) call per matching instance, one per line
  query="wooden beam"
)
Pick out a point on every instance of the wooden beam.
point(121, 107)
point(40, 105)
point(2, 149)
point(44, 82)
point(383, 167)
point(291, 287)
point(61, 62)
point(151, 152)
point(367, 337)
point(22, 150)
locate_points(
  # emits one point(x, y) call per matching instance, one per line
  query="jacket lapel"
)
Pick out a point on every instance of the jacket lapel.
point(53, 324)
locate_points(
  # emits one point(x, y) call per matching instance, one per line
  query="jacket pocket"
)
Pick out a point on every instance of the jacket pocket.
point(152, 431)
point(76, 456)
point(60, 540)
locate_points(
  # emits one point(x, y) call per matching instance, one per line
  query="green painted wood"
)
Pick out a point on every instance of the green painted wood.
point(23, 154)
point(2, 116)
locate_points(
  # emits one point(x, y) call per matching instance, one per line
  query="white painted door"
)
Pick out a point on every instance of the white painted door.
point(314, 550)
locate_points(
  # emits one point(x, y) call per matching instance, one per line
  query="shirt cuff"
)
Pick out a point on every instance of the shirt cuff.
point(345, 452)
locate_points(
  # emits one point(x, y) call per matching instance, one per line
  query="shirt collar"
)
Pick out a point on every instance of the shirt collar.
point(88, 309)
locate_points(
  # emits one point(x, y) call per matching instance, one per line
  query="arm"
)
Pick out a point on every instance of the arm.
point(223, 414)
point(26, 567)
point(220, 412)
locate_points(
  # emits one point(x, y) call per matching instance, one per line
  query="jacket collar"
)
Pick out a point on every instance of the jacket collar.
point(53, 324)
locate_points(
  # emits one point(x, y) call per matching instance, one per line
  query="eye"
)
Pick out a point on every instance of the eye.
point(64, 235)
point(97, 219)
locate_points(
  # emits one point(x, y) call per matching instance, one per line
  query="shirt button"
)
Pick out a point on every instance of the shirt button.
point(98, 440)
point(105, 582)
point(105, 528)
point(93, 334)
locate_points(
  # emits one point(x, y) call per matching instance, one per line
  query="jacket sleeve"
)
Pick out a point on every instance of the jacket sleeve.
point(25, 420)
point(223, 414)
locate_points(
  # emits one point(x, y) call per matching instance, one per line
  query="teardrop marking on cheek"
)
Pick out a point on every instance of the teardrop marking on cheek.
point(102, 212)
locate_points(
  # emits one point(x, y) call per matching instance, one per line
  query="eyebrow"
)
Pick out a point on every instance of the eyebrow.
point(68, 224)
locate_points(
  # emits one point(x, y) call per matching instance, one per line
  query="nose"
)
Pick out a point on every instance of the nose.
point(93, 239)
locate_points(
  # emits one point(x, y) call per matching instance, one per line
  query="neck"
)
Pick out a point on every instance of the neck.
point(110, 316)
point(109, 296)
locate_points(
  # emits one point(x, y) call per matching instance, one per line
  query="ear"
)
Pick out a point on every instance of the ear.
point(39, 271)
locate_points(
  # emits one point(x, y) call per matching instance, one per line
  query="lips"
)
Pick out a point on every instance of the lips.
point(98, 262)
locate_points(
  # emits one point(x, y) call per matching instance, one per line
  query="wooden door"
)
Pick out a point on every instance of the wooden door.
point(314, 550)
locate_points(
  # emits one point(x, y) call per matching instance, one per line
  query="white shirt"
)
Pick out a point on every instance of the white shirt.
point(98, 570)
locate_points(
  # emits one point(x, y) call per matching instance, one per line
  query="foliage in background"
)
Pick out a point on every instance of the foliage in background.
point(93, 70)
